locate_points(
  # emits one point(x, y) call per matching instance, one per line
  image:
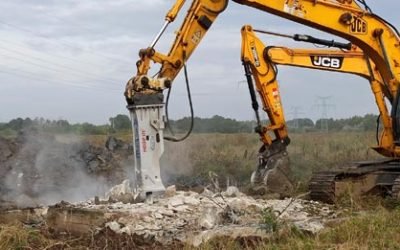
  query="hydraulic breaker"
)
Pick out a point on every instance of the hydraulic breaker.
point(147, 116)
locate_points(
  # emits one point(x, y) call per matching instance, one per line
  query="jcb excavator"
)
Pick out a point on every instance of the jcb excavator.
point(350, 19)
point(260, 64)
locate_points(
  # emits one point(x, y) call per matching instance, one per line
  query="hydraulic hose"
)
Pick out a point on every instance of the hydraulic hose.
point(189, 132)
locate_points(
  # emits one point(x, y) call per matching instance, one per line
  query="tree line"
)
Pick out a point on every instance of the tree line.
point(215, 124)
point(119, 123)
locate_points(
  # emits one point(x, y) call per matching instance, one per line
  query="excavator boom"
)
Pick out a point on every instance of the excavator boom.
point(144, 93)
point(373, 35)
point(378, 40)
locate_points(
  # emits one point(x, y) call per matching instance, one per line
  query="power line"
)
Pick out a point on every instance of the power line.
point(64, 43)
point(37, 77)
point(74, 71)
point(43, 67)
point(72, 59)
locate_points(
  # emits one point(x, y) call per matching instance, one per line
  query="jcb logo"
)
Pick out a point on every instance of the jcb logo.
point(327, 61)
point(358, 26)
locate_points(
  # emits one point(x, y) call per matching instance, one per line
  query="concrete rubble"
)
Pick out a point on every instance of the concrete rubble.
point(28, 179)
point(178, 216)
point(122, 193)
point(193, 218)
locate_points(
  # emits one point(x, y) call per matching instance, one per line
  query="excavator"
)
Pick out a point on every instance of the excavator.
point(260, 64)
point(352, 20)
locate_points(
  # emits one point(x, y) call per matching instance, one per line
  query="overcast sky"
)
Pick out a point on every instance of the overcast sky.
point(71, 59)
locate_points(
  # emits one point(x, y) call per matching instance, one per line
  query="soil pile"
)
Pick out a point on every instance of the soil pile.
point(37, 169)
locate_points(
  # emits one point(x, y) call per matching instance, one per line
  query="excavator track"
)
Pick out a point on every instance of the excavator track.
point(322, 186)
point(396, 188)
point(376, 177)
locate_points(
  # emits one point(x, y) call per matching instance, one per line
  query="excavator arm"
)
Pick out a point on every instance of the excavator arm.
point(352, 62)
point(262, 61)
point(260, 65)
point(198, 20)
point(144, 93)
point(345, 18)
point(378, 39)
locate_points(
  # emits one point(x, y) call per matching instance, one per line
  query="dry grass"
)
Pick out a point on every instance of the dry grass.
point(377, 229)
point(18, 237)
point(95, 140)
point(235, 155)
point(374, 229)
point(369, 225)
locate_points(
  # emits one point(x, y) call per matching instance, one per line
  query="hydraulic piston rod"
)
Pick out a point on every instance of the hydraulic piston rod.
point(309, 39)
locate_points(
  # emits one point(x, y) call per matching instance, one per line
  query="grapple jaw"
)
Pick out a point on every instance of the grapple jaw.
point(273, 171)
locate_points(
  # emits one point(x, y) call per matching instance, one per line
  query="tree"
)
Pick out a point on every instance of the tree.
point(88, 129)
point(120, 122)
point(16, 124)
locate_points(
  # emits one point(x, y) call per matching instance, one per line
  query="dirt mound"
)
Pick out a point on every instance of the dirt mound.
point(38, 169)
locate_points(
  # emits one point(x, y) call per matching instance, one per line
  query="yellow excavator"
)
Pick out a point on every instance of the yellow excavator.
point(352, 20)
point(260, 63)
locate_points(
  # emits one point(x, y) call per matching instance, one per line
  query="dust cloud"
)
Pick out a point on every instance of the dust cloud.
point(37, 169)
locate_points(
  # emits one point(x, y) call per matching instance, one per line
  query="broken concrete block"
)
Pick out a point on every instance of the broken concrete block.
point(167, 212)
point(170, 191)
point(181, 208)
point(139, 227)
point(191, 201)
point(129, 230)
point(209, 218)
point(207, 193)
point(232, 191)
point(176, 201)
point(121, 193)
point(147, 219)
point(113, 226)
point(310, 226)
point(158, 215)
point(74, 220)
